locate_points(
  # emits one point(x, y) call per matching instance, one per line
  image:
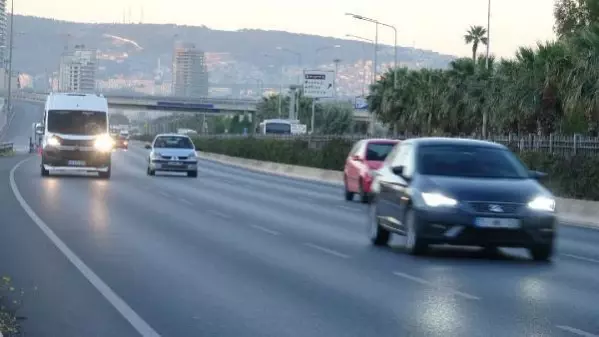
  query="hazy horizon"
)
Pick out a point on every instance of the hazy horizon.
point(429, 24)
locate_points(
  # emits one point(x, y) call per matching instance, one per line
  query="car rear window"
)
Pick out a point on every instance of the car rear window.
point(378, 151)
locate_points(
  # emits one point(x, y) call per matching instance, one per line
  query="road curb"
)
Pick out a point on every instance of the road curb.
point(572, 212)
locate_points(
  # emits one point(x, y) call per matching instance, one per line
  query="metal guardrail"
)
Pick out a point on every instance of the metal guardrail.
point(6, 148)
point(559, 144)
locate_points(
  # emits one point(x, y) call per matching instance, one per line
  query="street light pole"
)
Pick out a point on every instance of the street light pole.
point(376, 22)
point(488, 31)
point(364, 62)
point(318, 50)
point(336, 61)
point(485, 117)
point(280, 86)
point(10, 47)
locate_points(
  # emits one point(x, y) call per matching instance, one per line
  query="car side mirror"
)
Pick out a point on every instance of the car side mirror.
point(148, 147)
point(397, 170)
point(356, 158)
point(537, 175)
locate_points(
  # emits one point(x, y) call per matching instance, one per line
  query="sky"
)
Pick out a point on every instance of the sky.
point(437, 25)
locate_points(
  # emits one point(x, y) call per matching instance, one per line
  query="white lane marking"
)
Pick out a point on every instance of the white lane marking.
point(304, 199)
point(430, 284)
point(164, 194)
point(219, 214)
point(326, 250)
point(118, 303)
point(575, 331)
point(581, 258)
point(266, 230)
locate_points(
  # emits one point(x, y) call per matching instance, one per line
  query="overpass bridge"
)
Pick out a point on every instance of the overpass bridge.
point(207, 105)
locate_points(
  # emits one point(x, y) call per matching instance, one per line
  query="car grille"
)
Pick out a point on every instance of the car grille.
point(173, 158)
point(496, 207)
point(73, 142)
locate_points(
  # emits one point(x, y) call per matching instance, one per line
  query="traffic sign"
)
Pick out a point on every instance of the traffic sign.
point(319, 83)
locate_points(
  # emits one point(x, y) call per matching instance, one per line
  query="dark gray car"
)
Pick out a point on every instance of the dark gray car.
point(461, 192)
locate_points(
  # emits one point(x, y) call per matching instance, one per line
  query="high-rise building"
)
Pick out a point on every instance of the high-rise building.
point(190, 75)
point(78, 69)
point(3, 34)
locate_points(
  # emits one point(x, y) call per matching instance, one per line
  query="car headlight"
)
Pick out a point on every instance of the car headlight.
point(192, 155)
point(53, 141)
point(542, 204)
point(438, 200)
point(104, 143)
point(154, 155)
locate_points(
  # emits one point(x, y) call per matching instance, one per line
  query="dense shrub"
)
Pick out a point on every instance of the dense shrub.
point(568, 176)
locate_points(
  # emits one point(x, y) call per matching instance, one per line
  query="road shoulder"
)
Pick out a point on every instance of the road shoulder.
point(58, 300)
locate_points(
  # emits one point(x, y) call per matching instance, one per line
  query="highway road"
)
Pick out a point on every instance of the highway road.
point(239, 253)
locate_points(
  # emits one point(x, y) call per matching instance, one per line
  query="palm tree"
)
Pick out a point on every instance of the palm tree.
point(476, 35)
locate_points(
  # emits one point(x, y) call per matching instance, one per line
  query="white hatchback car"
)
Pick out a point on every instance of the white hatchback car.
point(172, 152)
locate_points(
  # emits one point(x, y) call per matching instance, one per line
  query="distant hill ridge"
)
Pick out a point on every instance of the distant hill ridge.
point(40, 41)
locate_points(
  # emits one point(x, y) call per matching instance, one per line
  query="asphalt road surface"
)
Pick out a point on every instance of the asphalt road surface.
point(238, 253)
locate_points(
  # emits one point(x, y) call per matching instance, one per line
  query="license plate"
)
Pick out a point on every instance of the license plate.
point(497, 223)
point(174, 163)
point(76, 163)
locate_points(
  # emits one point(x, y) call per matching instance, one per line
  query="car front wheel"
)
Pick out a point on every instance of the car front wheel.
point(415, 245)
point(379, 236)
point(542, 252)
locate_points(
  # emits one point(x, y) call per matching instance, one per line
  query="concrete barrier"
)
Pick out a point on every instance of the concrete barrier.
point(574, 212)
point(300, 172)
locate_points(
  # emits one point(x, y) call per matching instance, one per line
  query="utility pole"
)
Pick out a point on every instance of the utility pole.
point(336, 61)
point(12, 34)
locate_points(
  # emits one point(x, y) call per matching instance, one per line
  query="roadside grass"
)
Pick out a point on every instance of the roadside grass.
point(11, 300)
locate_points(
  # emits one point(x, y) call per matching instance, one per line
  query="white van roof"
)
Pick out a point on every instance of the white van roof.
point(76, 101)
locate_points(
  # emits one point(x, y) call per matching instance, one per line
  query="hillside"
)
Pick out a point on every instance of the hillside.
point(39, 43)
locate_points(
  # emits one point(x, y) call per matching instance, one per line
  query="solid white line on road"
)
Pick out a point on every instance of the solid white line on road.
point(266, 230)
point(430, 284)
point(185, 201)
point(219, 214)
point(575, 331)
point(326, 250)
point(119, 304)
point(581, 258)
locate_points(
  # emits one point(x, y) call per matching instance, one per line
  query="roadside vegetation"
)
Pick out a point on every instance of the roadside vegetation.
point(551, 89)
point(10, 303)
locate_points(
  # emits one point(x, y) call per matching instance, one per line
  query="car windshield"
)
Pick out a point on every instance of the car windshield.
point(278, 128)
point(378, 151)
point(173, 142)
point(470, 162)
point(77, 122)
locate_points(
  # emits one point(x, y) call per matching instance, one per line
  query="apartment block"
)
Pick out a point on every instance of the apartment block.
point(190, 75)
point(78, 68)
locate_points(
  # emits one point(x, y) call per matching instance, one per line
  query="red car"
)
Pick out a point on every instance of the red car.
point(366, 155)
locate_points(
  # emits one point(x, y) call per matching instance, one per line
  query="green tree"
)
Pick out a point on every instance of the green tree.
point(551, 88)
point(475, 36)
point(573, 15)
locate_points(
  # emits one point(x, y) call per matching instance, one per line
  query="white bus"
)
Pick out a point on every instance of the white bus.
point(76, 134)
point(275, 126)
